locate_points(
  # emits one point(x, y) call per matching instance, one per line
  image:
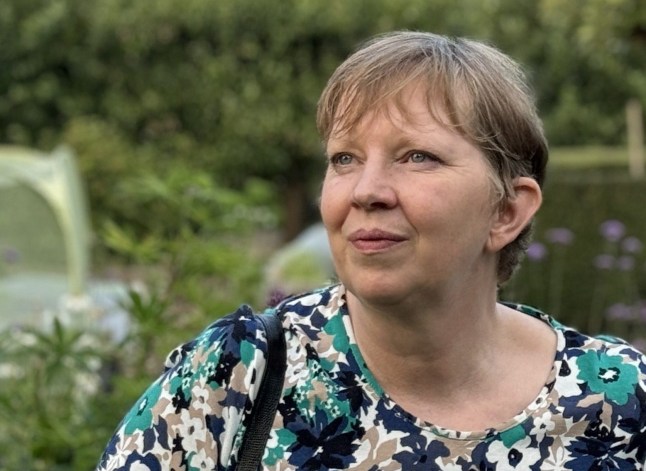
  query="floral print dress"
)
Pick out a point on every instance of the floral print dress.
point(590, 415)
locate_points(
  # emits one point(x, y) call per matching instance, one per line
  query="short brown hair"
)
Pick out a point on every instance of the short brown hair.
point(482, 91)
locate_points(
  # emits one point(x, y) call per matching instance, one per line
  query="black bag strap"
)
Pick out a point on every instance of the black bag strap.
point(264, 408)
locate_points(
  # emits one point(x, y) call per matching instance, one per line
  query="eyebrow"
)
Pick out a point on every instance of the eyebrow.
point(404, 140)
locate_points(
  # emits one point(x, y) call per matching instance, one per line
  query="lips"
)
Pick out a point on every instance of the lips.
point(374, 240)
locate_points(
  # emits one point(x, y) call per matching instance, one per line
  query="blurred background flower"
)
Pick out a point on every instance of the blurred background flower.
point(536, 251)
point(612, 230)
point(559, 236)
point(632, 245)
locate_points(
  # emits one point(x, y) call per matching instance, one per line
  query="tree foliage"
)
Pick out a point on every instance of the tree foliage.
point(231, 87)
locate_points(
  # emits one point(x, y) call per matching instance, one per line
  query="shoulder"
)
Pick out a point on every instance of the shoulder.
point(602, 364)
point(205, 389)
point(607, 365)
point(601, 386)
point(601, 351)
point(307, 314)
point(575, 339)
point(208, 387)
point(239, 336)
point(306, 301)
point(228, 338)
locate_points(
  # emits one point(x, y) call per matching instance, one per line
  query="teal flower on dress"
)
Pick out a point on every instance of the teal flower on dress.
point(140, 417)
point(276, 447)
point(608, 374)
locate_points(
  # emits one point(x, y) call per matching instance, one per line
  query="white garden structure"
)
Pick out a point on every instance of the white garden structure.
point(44, 239)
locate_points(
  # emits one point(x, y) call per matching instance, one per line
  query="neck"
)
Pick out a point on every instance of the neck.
point(451, 363)
point(408, 348)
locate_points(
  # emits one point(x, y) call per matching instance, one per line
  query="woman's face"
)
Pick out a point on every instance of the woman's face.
point(408, 205)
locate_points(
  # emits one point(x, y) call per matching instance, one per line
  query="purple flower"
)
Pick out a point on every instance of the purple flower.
point(625, 263)
point(560, 236)
point(632, 245)
point(612, 230)
point(536, 251)
point(604, 261)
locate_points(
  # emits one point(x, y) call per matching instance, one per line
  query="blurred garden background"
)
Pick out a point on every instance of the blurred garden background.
point(192, 124)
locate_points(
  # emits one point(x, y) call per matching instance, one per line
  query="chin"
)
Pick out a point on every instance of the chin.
point(377, 290)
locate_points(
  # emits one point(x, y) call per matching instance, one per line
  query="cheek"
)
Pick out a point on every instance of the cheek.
point(329, 204)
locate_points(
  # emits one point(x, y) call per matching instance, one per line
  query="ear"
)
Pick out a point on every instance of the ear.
point(515, 213)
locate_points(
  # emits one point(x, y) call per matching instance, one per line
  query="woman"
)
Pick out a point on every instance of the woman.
point(435, 161)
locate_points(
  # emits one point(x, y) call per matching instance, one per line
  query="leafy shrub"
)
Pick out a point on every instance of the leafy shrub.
point(47, 382)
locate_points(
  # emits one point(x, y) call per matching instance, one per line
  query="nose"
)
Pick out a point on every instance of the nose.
point(374, 189)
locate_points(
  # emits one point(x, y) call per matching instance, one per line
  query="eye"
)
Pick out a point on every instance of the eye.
point(341, 159)
point(418, 157)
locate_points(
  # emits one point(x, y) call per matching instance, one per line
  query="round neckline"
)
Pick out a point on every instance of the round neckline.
point(372, 386)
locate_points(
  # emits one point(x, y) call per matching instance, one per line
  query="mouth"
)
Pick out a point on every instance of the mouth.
point(374, 240)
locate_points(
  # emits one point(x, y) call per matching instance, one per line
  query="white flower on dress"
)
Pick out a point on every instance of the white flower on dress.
point(556, 461)
point(543, 425)
point(311, 300)
point(569, 388)
point(139, 466)
point(192, 429)
point(201, 460)
point(232, 418)
point(200, 400)
point(520, 456)
point(123, 450)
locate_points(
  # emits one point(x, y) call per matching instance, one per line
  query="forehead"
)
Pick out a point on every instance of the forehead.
point(413, 108)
